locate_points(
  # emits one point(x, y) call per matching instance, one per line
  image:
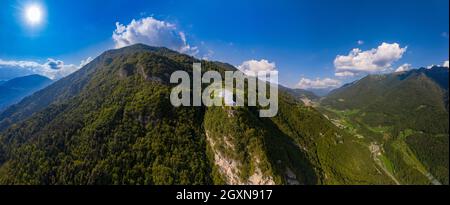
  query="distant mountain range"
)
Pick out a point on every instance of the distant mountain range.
point(309, 98)
point(12, 91)
point(7, 72)
point(112, 122)
point(300, 93)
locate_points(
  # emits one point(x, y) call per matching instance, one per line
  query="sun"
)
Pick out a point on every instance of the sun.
point(33, 14)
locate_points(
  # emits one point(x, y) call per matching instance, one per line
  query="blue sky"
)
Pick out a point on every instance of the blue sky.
point(302, 39)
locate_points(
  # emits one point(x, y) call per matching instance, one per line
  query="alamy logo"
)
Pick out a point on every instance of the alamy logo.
point(262, 89)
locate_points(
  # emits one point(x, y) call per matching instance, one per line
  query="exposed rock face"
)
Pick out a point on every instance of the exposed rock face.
point(229, 168)
point(258, 178)
point(148, 77)
point(130, 69)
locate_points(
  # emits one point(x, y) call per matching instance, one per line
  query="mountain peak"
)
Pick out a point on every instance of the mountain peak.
point(140, 47)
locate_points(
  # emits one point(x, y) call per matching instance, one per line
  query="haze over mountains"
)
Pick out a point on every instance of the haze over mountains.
point(111, 122)
point(12, 91)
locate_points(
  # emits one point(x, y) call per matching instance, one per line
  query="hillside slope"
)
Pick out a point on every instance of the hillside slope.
point(407, 112)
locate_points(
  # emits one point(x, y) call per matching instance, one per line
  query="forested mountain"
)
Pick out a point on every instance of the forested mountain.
point(14, 90)
point(407, 112)
point(112, 122)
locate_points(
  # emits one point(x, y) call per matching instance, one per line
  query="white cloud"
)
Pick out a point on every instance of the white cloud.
point(404, 67)
point(371, 61)
point(360, 42)
point(318, 83)
point(445, 64)
point(53, 69)
point(55, 64)
point(252, 67)
point(344, 74)
point(263, 69)
point(431, 66)
point(85, 62)
point(20, 64)
point(154, 33)
point(208, 55)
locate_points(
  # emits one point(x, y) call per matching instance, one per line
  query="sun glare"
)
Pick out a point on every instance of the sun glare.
point(33, 14)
